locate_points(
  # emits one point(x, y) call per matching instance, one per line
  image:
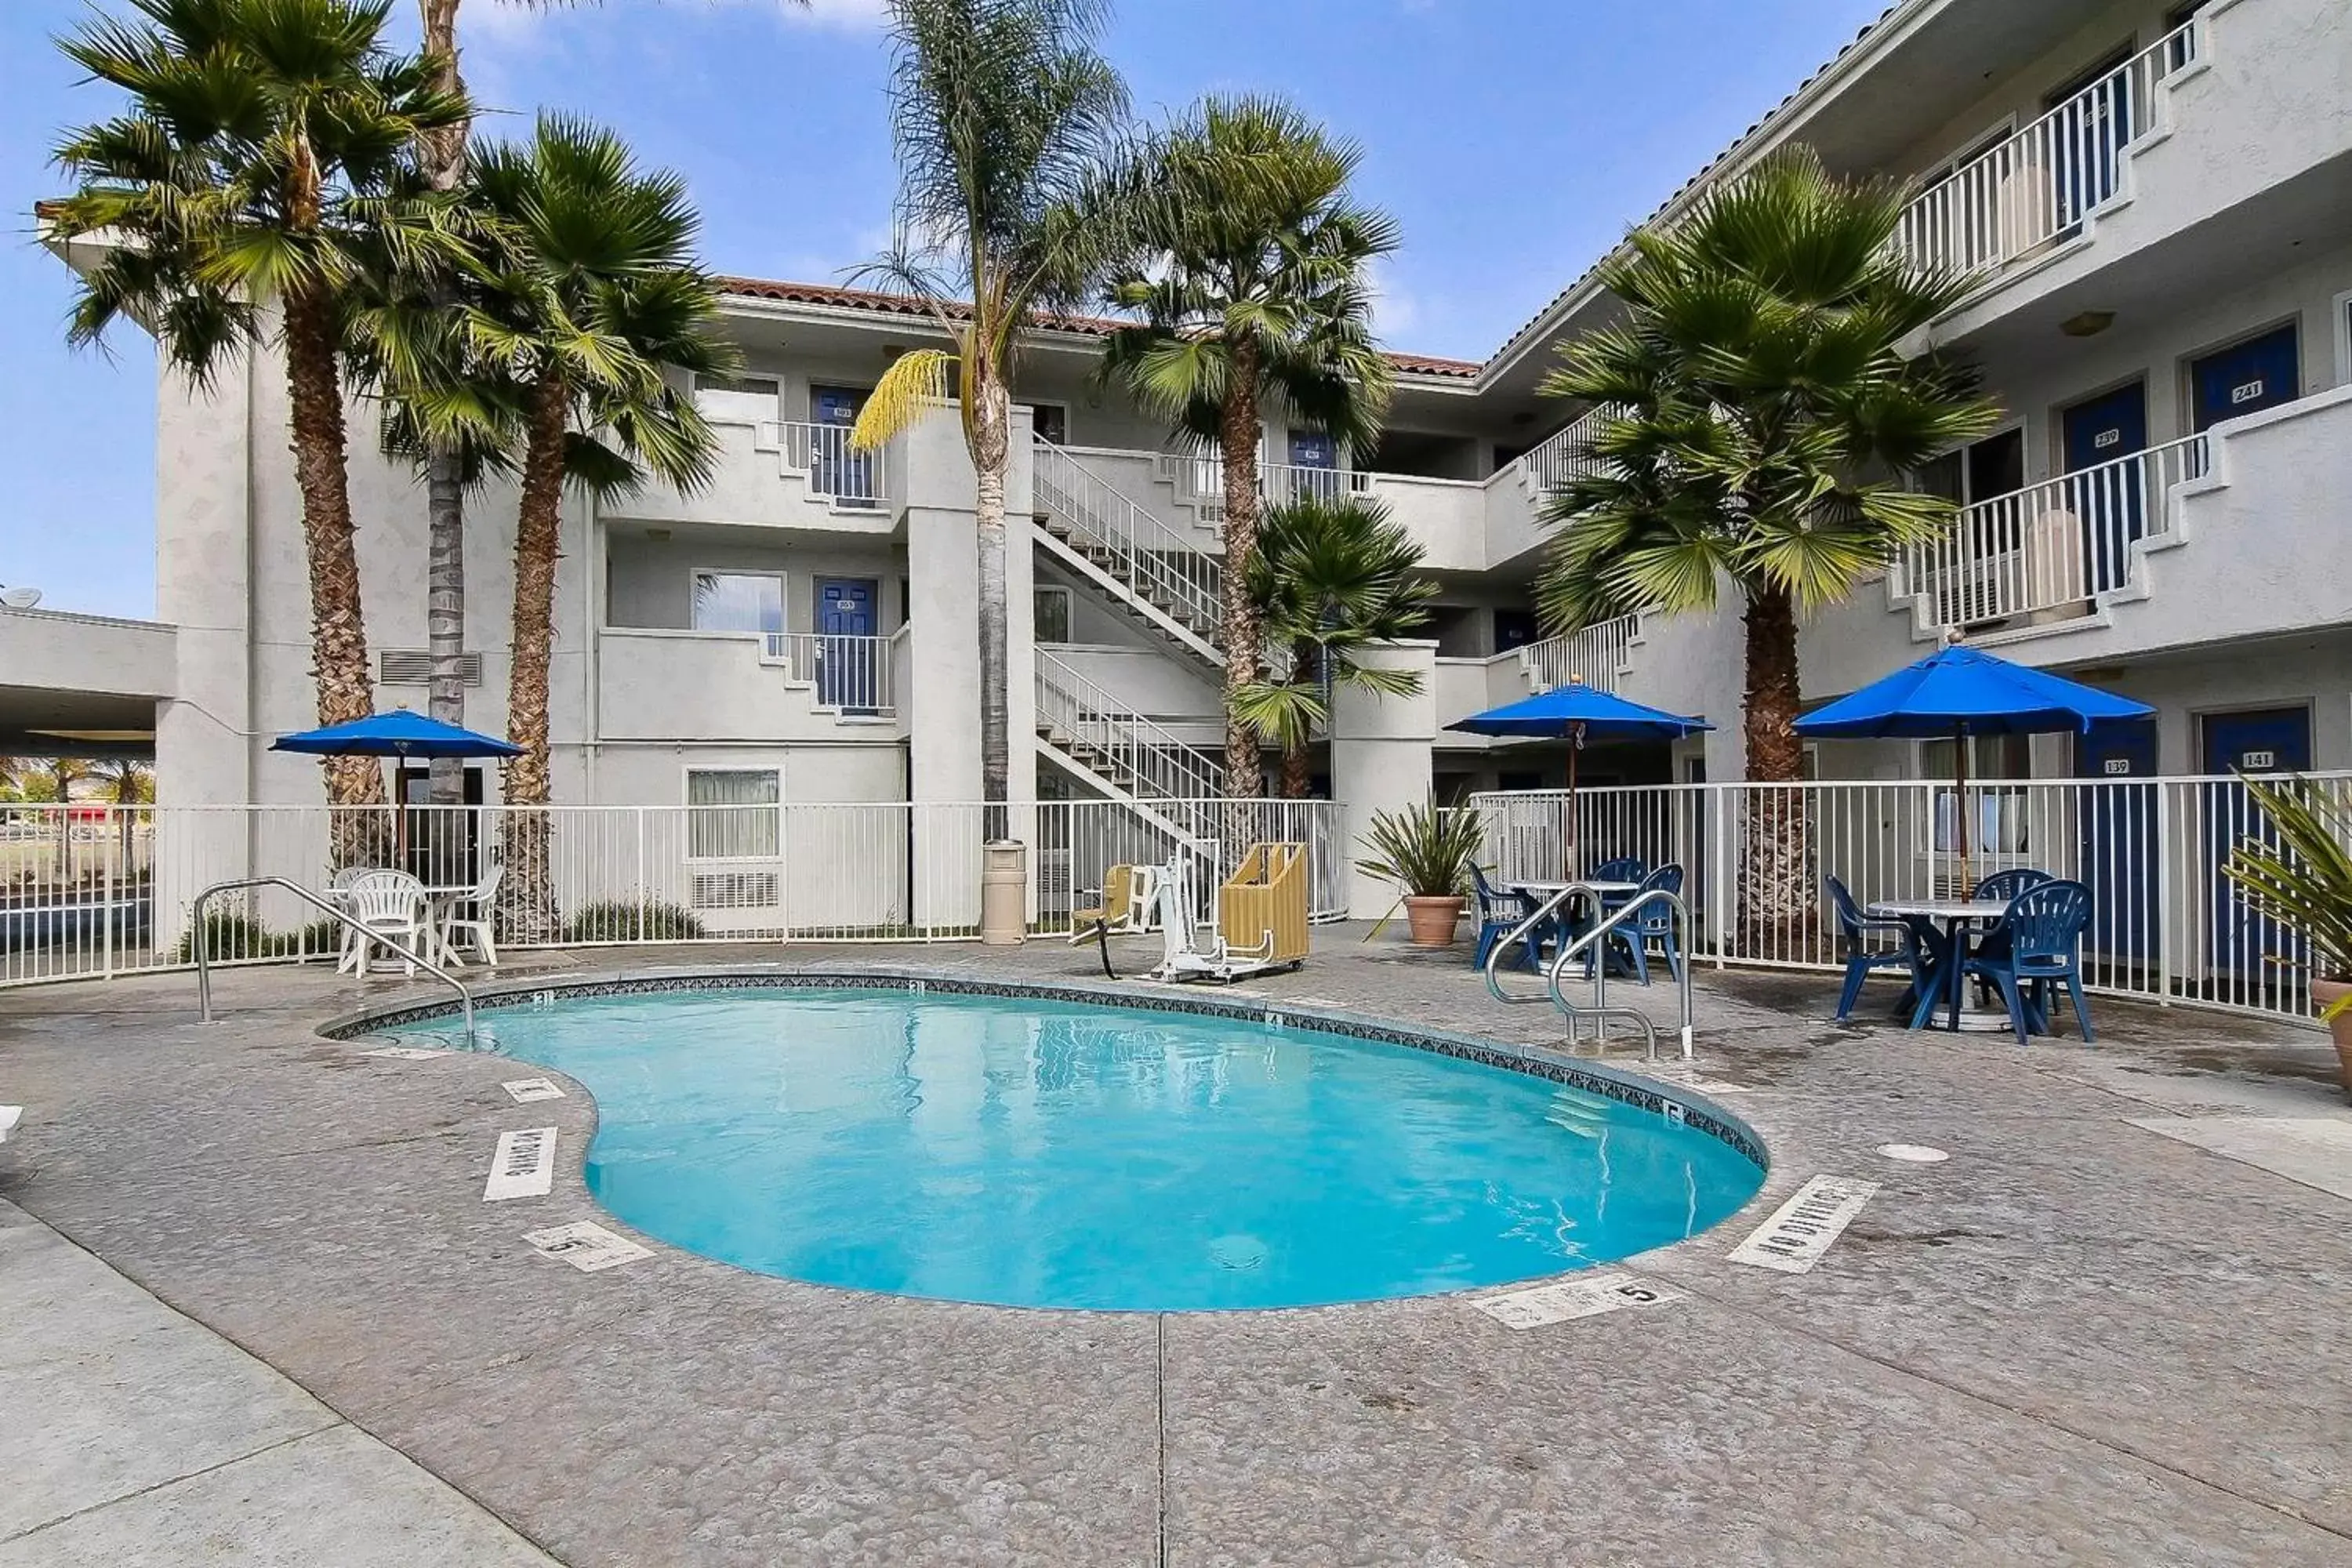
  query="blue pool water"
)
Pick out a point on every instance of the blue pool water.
point(1041, 1154)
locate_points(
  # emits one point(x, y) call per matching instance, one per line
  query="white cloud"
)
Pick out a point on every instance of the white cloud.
point(1395, 309)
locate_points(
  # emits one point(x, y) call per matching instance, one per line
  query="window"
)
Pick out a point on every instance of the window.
point(1992, 467)
point(1051, 423)
point(1997, 822)
point(731, 814)
point(739, 602)
point(741, 397)
point(2344, 340)
point(1051, 609)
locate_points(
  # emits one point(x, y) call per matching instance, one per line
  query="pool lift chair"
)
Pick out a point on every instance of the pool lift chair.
point(1128, 905)
point(1257, 919)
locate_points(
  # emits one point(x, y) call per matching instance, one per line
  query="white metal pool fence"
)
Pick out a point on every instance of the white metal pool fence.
point(2166, 924)
point(98, 892)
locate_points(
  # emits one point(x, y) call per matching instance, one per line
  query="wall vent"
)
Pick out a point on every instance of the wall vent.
point(413, 667)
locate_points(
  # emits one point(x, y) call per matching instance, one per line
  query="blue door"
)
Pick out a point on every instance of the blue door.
point(2107, 494)
point(1313, 449)
point(2092, 119)
point(2257, 374)
point(2266, 741)
point(2118, 853)
point(835, 470)
point(848, 657)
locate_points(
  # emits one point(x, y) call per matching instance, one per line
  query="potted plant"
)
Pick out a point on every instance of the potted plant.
point(1427, 853)
point(2299, 874)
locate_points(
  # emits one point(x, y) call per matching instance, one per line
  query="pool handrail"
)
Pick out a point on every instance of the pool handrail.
point(204, 965)
point(1518, 933)
point(1600, 1012)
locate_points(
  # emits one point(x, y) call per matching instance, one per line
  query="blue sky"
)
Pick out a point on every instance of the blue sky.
point(1514, 140)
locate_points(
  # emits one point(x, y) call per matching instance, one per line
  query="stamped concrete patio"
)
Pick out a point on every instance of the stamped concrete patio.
point(2086, 1337)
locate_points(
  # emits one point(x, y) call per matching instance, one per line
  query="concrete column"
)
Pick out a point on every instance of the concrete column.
point(1381, 748)
point(203, 586)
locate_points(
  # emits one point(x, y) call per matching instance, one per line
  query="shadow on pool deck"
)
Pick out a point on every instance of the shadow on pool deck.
point(2075, 1340)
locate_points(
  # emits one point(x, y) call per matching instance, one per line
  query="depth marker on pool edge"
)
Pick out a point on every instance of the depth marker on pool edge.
point(524, 1090)
point(524, 1166)
point(404, 1053)
point(586, 1245)
point(1586, 1297)
point(1800, 1230)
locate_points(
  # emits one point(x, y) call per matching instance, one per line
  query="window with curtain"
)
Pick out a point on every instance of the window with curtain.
point(1996, 820)
point(739, 602)
point(731, 814)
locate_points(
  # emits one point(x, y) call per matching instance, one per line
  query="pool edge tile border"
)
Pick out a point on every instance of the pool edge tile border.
point(1655, 1096)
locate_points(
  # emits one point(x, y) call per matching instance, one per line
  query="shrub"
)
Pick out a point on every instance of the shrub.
point(614, 921)
point(231, 935)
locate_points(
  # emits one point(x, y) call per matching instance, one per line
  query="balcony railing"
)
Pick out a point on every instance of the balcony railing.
point(851, 674)
point(1199, 481)
point(2056, 545)
point(836, 472)
point(1562, 456)
point(1593, 657)
point(2041, 184)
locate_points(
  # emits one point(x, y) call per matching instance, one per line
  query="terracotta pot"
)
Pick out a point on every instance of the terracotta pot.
point(1431, 920)
point(2325, 992)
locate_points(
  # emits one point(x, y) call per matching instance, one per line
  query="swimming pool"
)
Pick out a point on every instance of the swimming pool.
point(1040, 1152)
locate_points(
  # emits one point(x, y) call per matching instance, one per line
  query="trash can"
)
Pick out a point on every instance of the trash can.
point(1003, 893)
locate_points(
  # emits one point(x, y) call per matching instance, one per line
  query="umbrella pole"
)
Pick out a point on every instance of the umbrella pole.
point(1575, 745)
point(1960, 801)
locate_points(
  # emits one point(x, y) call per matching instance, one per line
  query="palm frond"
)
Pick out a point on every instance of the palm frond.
point(915, 382)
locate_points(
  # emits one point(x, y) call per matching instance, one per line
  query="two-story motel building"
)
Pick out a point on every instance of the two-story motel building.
point(2159, 199)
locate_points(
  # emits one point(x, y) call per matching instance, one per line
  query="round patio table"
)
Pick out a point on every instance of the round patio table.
point(1950, 961)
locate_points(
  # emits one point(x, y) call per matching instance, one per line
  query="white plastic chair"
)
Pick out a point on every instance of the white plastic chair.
point(348, 941)
point(390, 904)
point(477, 929)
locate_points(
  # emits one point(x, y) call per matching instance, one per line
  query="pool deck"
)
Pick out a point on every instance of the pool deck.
point(252, 1299)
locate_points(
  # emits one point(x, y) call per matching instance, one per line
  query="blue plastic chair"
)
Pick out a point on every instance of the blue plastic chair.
point(2005, 886)
point(1653, 923)
point(1861, 956)
point(1499, 914)
point(2044, 926)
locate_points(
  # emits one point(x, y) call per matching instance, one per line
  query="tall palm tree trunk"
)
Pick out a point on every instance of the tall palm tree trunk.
point(338, 625)
point(992, 421)
point(527, 893)
point(443, 158)
point(1776, 887)
point(1238, 438)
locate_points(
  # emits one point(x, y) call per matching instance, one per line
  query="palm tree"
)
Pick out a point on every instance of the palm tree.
point(1331, 575)
point(1254, 287)
point(450, 460)
point(1008, 128)
point(589, 291)
point(266, 142)
point(124, 782)
point(1758, 397)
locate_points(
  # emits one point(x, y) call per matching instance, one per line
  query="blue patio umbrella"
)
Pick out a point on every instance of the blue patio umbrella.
point(1576, 713)
point(1958, 693)
point(399, 733)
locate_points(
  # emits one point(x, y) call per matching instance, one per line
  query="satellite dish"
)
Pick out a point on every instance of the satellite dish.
point(20, 598)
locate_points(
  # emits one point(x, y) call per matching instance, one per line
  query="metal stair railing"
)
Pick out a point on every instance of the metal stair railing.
point(203, 964)
point(1147, 753)
point(1153, 562)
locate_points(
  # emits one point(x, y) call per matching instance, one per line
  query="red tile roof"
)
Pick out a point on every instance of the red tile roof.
point(1091, 326)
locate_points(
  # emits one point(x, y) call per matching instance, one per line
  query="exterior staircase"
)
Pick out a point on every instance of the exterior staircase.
point(1163, 581)
point(1093, 736)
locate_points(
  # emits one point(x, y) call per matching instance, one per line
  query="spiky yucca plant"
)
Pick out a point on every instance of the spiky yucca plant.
point(2300, 873)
